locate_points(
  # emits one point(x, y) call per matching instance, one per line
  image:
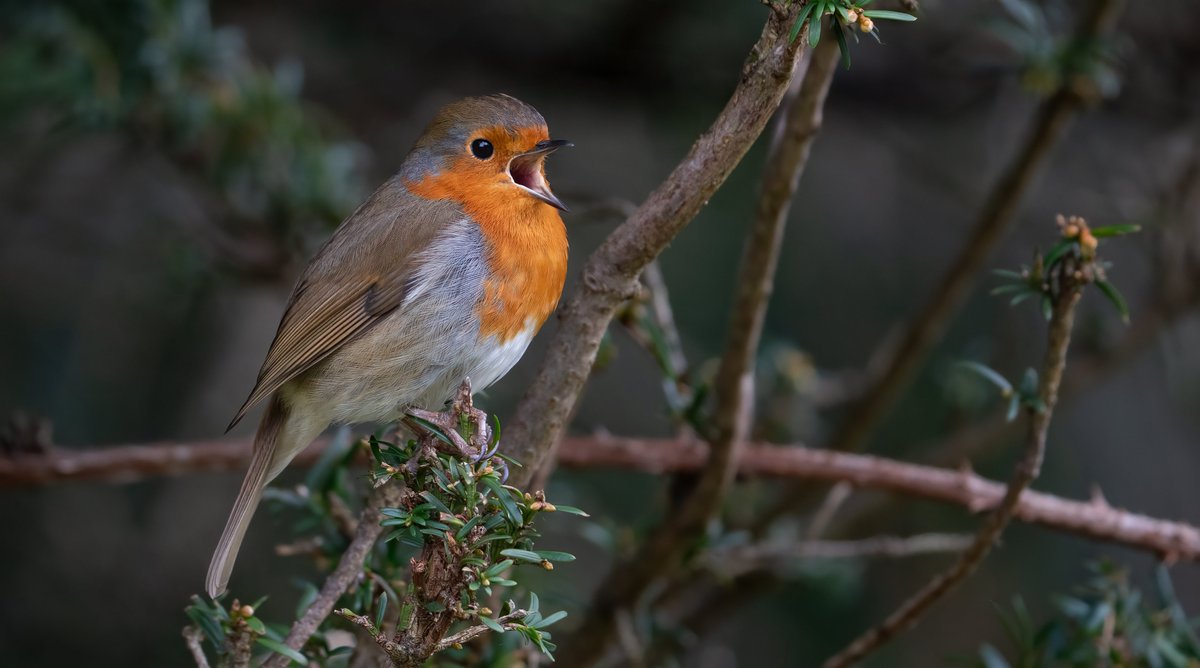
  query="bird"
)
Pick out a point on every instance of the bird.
point(446, 272)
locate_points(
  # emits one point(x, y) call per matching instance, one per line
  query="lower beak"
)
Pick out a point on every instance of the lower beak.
point(526, 171)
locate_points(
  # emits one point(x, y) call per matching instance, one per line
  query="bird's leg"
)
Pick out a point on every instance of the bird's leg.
point(450, 426)
point(472, 419)
point(438, 430)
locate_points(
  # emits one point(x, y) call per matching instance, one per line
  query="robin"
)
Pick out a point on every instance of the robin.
point(447, 271)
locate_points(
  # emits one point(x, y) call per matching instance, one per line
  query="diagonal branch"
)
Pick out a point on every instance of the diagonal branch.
point(994, 220)
point(611, 273)
point(1071, 282)
point(734, 384)
point(349, 569)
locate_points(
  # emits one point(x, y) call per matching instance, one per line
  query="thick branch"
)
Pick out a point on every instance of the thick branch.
point(734, 384)
point(611, 273)
point(910, 612)
point(349, 569)
point(1094, 519)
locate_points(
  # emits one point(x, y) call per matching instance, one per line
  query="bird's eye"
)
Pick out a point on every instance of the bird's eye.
point(482, 149)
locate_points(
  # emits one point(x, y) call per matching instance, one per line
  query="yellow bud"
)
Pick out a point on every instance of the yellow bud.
point(1071, 231)
point(549, 507)
point(247, 611)
point(852, 16)
point(486, 612)
point(865, 24)
point(1088, 242)
point(547, 565)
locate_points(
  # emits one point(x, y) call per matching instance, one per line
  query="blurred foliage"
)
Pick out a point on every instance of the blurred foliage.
point(1051, 56)
point(159, 73)
point(1108, 623)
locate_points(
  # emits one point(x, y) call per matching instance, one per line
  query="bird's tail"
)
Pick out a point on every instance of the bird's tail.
point(262, 470)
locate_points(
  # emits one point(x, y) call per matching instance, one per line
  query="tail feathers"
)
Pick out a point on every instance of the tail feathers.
point(260, 473)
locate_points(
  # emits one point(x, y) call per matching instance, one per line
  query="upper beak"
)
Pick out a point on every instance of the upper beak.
point(525, 170)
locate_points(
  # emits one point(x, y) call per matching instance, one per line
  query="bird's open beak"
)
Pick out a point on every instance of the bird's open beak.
point(526, 171)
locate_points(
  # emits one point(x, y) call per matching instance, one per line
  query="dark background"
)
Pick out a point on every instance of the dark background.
point(121, 321)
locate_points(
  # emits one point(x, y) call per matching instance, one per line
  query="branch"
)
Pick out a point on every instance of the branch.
point(738, 561)
point(734, 383)
point(612, 272)
point(193, 637)
point(467, 635)
point(1070, 281)
point(1094, 519)
point(349, 569)
point(998, 212)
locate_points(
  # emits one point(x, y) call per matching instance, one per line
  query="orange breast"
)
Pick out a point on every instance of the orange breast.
point(527, 246)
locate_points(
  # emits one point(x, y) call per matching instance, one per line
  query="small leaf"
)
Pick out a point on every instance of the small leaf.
point(799, 24)
point(436, 502)
point(1115, 230)
point(889, 15)
point(498, 568)
point(551, 555)
point(506, 503)
point(1115, 297)
point(550, 620)
point(1047, 307)
point(492, 624)
point(1009, 287)
point(814, 31)
point(1029, 383)
point(990, 375)
point(1014, 407)
point(256, 625)
point(843, 47)
point(523, 555)
point(1008, 273)
point(280, 648)
point(572, 510)
point(1057, 251)
point(991, 657)
point(381, 610)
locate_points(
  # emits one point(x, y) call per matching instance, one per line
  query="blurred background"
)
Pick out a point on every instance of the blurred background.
point(167, 166)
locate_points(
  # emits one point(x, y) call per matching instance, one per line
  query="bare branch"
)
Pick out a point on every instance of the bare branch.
point(1070, 280)
point(193, 637)
point(611, 274)
point(467, 635)
point(348, 570)
point(962, 487)
point(738, 561)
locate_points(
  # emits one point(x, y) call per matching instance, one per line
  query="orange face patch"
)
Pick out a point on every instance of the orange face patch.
point(526, 239)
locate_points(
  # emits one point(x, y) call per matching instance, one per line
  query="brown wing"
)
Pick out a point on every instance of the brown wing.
point(358, 278)
point(313, 328)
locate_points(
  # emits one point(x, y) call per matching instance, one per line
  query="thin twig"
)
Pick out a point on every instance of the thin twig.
point(611, 273)
point(664, 316)
point(348, 570)
point(909, 613)
point(193, 637)
point(733, 387)
point(837, 496)
point(738, 561)
point(467, 635)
